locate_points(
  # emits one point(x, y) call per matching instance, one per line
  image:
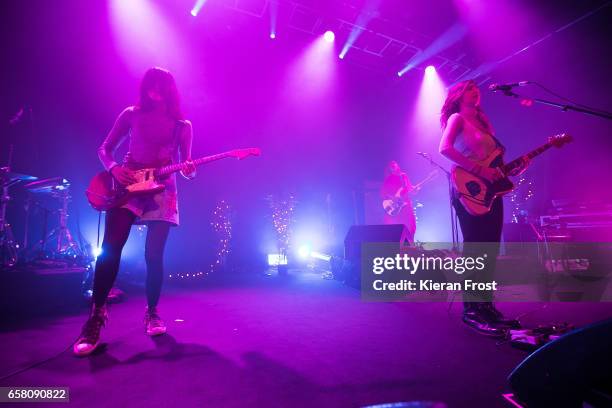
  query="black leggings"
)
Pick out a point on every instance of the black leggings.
point(116, 231)
point(481, 228)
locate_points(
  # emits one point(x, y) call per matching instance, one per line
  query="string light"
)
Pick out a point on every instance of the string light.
point(221, 224)
point(522, 193)
point(282, 219)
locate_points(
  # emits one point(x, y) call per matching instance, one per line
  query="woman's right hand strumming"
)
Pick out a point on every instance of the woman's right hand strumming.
point(123, 175)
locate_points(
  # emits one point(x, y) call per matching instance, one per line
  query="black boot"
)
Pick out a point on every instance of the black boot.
point(497, 317)
point(481, 321)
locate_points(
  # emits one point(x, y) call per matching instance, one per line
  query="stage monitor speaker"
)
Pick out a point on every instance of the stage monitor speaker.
point(566, 372)
point(359, 234)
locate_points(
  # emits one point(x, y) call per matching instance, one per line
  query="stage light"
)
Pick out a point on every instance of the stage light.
point(277, 259)
point(368, 11)
point(197, 7)
point(304, 251)
point(400, 73)
point(273, 11)
point(451, 36)
point(329, 36)
point(321, 256)
point(431, 97)
point(97, 252)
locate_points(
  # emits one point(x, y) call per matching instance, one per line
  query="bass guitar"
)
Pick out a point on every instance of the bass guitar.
point(477, 194)
point(105, 193)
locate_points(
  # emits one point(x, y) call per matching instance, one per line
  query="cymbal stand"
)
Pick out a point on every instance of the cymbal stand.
point(8, 246)
point(65, 243)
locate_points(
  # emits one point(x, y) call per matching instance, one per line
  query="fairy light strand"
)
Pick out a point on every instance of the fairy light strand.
point(522, 193)
point(282, 219)
point(221, 223)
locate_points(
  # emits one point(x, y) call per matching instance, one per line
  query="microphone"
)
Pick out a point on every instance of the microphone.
point(507, 87)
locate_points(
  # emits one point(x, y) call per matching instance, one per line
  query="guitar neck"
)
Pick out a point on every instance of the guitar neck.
point(517, 162)
point(172, 168)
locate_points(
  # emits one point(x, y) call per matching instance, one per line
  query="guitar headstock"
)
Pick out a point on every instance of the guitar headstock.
point(244, 153)
point(560, 139)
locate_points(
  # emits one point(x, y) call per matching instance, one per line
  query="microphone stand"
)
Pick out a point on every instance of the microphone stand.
point(561, 106)
point(453, 215)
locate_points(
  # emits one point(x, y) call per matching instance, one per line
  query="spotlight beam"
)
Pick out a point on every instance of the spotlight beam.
point(197, 7)
point(369, 11)
point(273, 18)
point(452, 35)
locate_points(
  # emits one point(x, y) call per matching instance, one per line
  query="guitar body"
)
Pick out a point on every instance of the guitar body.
point(394, 206)
point(145, 183)
point(475, 193)
point(104, 193)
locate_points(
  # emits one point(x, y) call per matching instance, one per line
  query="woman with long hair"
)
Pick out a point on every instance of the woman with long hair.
point(397, 185)
point(157, 136)
point(468, 138)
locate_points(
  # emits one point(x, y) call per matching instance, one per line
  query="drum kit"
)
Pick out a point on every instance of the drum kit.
point(58, 244)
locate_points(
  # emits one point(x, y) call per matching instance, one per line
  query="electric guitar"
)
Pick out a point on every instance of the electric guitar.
point(105, 193)
point(396, 204)
point(477, 194)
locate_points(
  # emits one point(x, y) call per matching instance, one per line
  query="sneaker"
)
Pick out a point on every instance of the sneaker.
point(475, 317)
point(90, 334)
point(154, 325)
point(497, 316)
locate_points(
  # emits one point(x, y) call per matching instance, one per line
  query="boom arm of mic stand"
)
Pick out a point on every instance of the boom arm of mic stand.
point(565, 108)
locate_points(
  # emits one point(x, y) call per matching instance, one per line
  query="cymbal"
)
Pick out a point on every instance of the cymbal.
point(48, 185)
point(8, 176)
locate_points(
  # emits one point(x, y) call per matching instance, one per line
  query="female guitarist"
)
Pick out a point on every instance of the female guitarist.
point(397, 187)
point(157, 136)
point(468, 138)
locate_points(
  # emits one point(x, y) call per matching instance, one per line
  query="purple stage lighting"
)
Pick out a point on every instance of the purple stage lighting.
point(145, 37)
point(430, 99)
point(197, 7)
point(313, 73)
point(451, 36)
point(304, 251)
point(369, 10)
point(329, 36)
point(273, 6)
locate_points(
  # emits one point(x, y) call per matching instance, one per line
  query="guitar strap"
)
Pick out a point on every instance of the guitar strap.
point(177, 136)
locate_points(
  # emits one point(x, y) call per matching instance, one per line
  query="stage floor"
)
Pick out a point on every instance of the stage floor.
point(272, 342)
